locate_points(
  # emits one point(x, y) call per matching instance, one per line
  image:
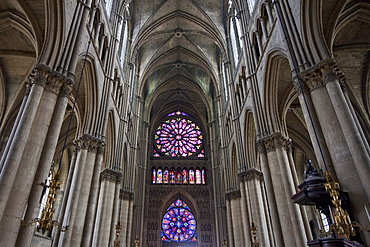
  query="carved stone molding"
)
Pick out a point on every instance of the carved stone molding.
point(110, 175)
point(251, 174)
point(318, 75)
point(90, 143)
point(299, 88)
point(50, 79)
point(233, 195)
point(66, 89)
point(39, 75)
point(126, 195)
point(272, 142)
point(101, 148)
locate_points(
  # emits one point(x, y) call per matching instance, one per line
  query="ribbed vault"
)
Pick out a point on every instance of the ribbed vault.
point(178, 47)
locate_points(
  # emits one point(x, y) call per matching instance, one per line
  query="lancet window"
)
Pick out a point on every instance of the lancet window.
point(179, 176)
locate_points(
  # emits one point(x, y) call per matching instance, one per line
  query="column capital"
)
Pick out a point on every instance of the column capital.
point(100, 148)
point(233, 195)
point(318, 75)
point(50, 79)
point(39, 75)
point(126, 195)
point(110, 175)
point(251, 174)
point(66, 88)
point(90, 143)
point(272, 142)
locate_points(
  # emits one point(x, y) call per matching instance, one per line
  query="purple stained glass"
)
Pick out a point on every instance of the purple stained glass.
point(177, 113)
point(178, 224)
point(178, 137)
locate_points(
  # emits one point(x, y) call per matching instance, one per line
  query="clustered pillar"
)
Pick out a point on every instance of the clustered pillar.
point(44, 105)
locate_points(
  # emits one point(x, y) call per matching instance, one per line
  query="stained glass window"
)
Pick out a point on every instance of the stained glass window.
point(172, 176)
point(201, 154)
point(178, 176)
point(159, 176)
point(165, 176)
point(178, 137)
point(198, 177)
point(154, 176)
point(185, 176)
point(177, 113)
point(178, 224)
point(191, 176)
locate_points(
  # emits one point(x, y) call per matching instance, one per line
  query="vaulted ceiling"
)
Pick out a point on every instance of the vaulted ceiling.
point(178, 46)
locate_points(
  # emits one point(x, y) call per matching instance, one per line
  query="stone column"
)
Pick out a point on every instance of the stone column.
point(22, 161)
point(310, 101)
point(283, 188)
point(17, 144)
point(16, 123)
point(74, 192)
point(357, 147)
point(108, 178)
point(282, 148)
point(65, 194)
point(234, 201)
point(126, 197)
point(229, 223)
point(25, 234)
point(84, 192)
point(272, 203)
point(93, 199)
point(115, 216)
point(348, 152)
point(244, 212)
point(301, 208)
point(252, 180)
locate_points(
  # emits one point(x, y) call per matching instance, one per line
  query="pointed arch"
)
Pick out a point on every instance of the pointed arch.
point(250, 141)
point(109, 161)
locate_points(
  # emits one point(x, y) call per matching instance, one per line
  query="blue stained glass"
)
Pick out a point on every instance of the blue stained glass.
point(178, 224)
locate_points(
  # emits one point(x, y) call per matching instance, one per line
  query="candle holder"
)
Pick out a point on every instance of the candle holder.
point(254, 235)
point(342, 222)
point(46, 222)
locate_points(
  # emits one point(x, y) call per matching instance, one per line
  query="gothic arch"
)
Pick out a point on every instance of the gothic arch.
point(185, 196)
point(87, 96)
point(250, 141)
point(232, 170)
point(111, 141)
point(312, 33)
point(278, 86)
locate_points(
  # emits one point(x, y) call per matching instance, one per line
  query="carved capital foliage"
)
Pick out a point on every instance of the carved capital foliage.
point(101, 148)
point(110, 175)
point(66, 88)
point(126, 195)
point(39, 75)
point(313, 80)
point(251, 174)
point(272, 142)
point(261, 146)
point(233, 195)
point(299, 86)
point(320, 74)
point(90, 143)
point(50, 79)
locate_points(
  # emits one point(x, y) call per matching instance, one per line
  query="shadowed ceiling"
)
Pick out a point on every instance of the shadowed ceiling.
point(178, 46)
